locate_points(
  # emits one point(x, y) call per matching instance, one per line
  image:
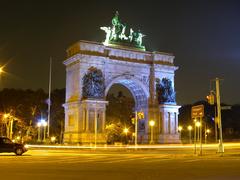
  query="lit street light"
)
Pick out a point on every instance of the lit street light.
point(196, 127)
point(53, 139)
point(206, 135)
point(39, 131)
point(42, 123)
point(125, 130)
point(151, 123)
point(180, 128)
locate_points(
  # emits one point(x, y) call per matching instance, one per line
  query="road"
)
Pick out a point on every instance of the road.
point(175, 162)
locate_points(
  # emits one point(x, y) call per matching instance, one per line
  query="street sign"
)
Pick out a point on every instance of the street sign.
point(226, 107)
point(197, 111)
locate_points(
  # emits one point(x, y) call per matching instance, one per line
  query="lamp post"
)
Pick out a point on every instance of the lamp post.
point(206, 135)
point(198, 124)
point(39, 131)
point(42, 123)
point(151, 123)
point(180, 128)
point(196, 127)
point(190, 135)
point(44, 131)
point(125, 131)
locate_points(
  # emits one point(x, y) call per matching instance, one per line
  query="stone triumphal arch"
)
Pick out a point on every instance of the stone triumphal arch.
point(91, 70)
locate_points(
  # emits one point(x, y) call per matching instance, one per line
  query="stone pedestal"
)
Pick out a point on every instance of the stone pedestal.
point(90, 120)
point(169, 123)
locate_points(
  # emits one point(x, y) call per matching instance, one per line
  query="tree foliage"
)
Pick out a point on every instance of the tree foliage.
point(118, 116)
point(230, 120)
point(28, 106)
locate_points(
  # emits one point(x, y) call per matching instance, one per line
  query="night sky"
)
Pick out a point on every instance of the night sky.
point(204, 36)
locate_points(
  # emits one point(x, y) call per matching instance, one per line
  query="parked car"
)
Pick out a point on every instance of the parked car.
point(6, 145)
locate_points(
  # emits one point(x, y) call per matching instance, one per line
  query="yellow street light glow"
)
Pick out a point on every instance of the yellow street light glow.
point(198, 124)
point(189, 127)
point(39, 124)
point(208, 131)
point(125, 130)
point(151, 123)
point(180, 128)
point(53, 139)
point(6, 115)
point(18, 137)
point(45, 124)
point(1, 70)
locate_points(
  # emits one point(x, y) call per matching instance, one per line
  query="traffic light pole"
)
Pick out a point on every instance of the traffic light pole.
point(200, 136)
point(220, 147)
point(136, 127)
point(195, 138)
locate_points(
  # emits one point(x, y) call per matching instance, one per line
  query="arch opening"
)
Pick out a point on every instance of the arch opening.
point(125, 96)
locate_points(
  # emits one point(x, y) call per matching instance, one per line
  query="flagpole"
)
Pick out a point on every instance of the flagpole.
point(49, 95)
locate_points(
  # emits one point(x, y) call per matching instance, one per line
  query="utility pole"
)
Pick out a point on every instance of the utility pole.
point(220, 147)
point(215, 125)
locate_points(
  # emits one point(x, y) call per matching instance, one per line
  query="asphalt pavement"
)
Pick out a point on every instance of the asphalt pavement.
point(176, 162)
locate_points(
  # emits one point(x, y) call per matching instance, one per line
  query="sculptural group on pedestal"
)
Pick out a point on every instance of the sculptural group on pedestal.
point(93, 84)
point(117, 34)
point(165, 92)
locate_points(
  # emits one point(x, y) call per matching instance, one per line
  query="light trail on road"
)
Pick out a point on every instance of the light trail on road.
point(163, 146)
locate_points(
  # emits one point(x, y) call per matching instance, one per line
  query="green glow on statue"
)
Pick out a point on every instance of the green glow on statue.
point(117, 34)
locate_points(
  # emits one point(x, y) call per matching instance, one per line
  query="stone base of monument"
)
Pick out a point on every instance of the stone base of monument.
point(84, 138)
point(89, 138)
point(169, 139)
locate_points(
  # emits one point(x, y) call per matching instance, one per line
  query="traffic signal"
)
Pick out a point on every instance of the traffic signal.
point(133, 120)
point(210, 99)
point(140, 115)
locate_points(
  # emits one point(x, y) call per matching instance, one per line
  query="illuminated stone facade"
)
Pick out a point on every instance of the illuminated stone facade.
point(135, 69)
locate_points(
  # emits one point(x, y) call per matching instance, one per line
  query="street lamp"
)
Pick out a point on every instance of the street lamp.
point(39, 131)
point(151, 123)
point(44, 131)
point(180, 128)
point(53, 139)
point(125, 130)
point(206, 134)
point(42, 123)
point(190, 135)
